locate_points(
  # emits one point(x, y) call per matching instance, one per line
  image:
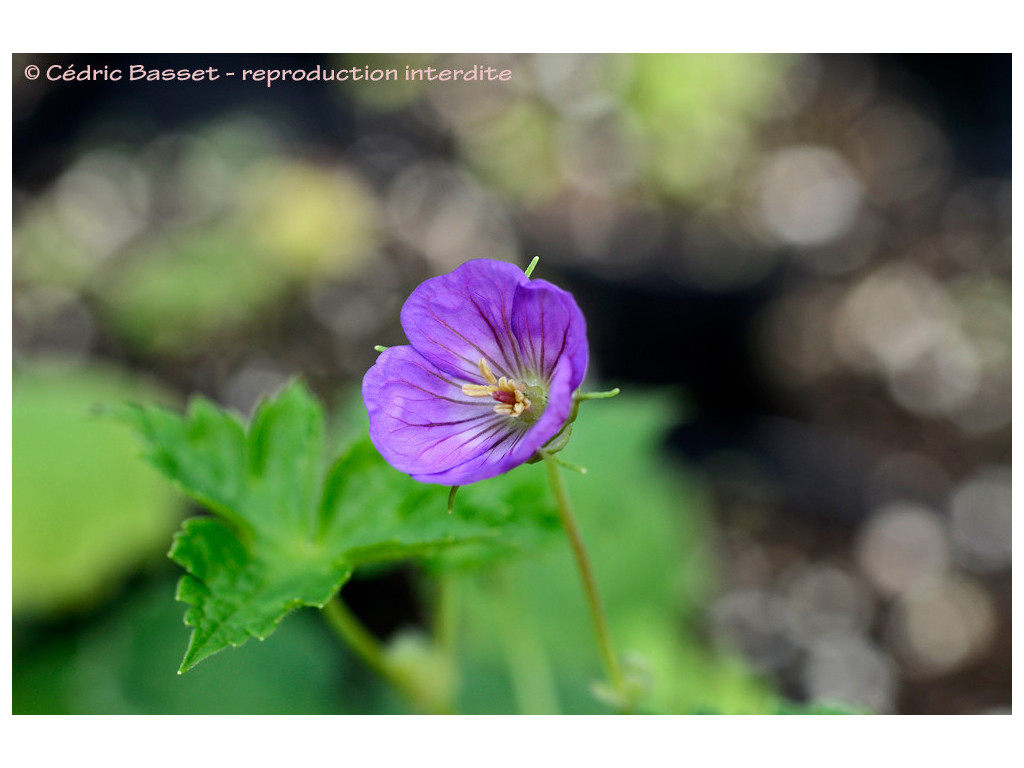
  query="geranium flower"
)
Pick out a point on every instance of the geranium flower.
point(489, 378)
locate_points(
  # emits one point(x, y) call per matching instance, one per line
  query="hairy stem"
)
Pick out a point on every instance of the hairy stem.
point(604, 640)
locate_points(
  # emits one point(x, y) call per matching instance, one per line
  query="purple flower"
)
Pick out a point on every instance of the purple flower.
point(488, 379)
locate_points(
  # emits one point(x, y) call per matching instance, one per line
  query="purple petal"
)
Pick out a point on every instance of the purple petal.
point(424, 426)
point(420, 420)
point(456, 319)
point(516, 447)
point(550, 328)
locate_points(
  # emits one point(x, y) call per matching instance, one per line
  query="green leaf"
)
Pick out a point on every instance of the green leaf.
point(496, 518)
point(518, 506)
point(286, 533)
point(820, 708)
point(237, 593)
point(86, 513)
point(118, 664)
point(176, 292)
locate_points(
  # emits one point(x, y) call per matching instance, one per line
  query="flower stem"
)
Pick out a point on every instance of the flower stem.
point(347, 627)
point(357, 637)
point(604, 640)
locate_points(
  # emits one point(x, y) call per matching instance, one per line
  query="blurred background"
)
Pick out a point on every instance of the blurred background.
point(797, 268)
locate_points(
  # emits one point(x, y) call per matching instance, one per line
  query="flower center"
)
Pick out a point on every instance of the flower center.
point(510, 395)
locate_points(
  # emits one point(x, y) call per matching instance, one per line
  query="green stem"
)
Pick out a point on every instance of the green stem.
point(347, 627)
point(604, 640)
point(358, 638)
point(446, 613)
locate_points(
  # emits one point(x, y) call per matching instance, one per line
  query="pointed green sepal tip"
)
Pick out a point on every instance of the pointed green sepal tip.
point(597, 395)
point(549, 456)
point(380, 348)
point(533, 265)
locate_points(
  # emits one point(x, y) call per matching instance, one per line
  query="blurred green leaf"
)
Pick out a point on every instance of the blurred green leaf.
point(46, 252)
point(699, 112)
point(182, 289)
point(285, 533)
point(311, 221)
point(820, 708)
point(122, 663)
point(293, 222)
point(514, 151)
point(85, 512)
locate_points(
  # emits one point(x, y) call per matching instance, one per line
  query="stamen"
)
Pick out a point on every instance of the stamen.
point(514, 410)
point(512, 401)
point(485, 371)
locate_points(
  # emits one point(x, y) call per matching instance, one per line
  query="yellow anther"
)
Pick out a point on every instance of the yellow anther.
point(512, 401)
point(515, 410)
point(476, 390)
point(485, 371)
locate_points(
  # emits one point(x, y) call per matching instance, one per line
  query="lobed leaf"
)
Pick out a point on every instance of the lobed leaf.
point(236, 593)
point(288, 533)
